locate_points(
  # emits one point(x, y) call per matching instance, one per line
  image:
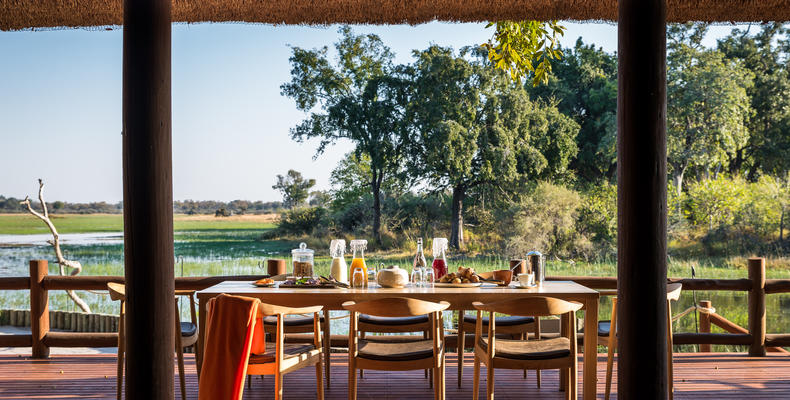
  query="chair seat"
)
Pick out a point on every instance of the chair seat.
point(544, 349)
point(603, 328)
point(289, 351)
point(408, 351)
point(188, 329)
point(510, 320)
point(392, 321)
point(290, 321)
point(394, 338)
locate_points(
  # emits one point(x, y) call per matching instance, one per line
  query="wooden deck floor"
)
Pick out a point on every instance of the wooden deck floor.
point(698, 376)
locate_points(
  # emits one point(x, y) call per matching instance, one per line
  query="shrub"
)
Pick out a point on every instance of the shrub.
point(301, 221)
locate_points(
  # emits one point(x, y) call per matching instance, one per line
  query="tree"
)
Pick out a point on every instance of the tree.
point(707, 104)
point(478, 128)
point(294, 187)
point(362, 97)
point(764, 55)
point(584, 86)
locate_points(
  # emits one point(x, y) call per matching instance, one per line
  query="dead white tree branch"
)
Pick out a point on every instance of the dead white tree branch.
point(63, 263)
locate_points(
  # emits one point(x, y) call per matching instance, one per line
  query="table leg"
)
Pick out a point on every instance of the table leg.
point(201, 334)
point(590, 348)
point(327, 346)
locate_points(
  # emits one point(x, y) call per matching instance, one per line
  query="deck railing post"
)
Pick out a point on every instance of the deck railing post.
point(757, 306)
point(704, 324)
point(39, 308)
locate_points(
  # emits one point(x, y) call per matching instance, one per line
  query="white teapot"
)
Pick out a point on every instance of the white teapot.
point(392, 277)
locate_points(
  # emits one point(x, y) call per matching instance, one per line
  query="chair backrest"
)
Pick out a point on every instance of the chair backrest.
point(396, 307)
point(530, 306)
point(265, 310)
point(673, 291)
point(117, 291)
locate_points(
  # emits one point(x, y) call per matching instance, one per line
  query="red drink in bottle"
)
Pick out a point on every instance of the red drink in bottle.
point(439, 268)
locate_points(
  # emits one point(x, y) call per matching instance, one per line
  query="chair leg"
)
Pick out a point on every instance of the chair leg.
point(121, 351)
point(461, 345)
point(563, 379)
point(180, 354)
point(361, 374)
point(568, 390)
point(436, 385)
point(319, 378)
point(525, 336)
point(278, 385)
point(476, 379)
point(352, 379)
point(610, 349)
point(574, 375)
point(489, 382)
point(537, 336)
point(428, 373)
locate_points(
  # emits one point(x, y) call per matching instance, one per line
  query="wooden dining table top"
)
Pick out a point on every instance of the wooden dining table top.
point(459, 298)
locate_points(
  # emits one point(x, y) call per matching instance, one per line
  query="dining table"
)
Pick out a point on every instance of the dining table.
point(460, 298)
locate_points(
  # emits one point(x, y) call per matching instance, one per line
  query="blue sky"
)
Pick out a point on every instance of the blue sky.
point(60, 106)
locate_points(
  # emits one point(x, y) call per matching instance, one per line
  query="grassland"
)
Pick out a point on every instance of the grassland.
point(25, 224)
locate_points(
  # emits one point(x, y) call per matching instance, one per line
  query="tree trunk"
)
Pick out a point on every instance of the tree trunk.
point(678, 178)
point(457, 223)
point(782, 225)
point(376, 190)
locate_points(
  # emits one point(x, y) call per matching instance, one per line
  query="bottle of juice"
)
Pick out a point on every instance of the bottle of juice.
point(358, 247)
point(439, 258)
point(339, 268)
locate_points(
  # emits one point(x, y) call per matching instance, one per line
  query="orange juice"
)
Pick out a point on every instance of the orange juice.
point(359, 263)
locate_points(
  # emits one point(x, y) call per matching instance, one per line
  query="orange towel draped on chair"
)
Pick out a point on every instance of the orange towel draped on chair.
point(233, 331)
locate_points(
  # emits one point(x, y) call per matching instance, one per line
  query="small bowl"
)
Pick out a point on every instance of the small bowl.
point(504, 275)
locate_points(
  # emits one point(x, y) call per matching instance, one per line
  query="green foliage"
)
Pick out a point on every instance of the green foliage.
point(301, 221)
point(707, 104)
point(716, 202)
point(545, 221)
point(294, 187)
point(525, 47)
point(598, 218)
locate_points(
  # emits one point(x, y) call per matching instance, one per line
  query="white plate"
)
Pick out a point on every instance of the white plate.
point(458, 285)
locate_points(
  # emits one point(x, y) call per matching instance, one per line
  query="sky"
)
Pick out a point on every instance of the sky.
point(60, 105)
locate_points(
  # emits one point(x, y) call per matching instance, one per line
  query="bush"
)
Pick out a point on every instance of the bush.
point(598, 218)
point(301, 221)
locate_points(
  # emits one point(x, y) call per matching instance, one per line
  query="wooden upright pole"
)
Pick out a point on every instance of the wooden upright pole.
point(641, 200)
point(757, 307)
point(39, 308)
point(148, 199)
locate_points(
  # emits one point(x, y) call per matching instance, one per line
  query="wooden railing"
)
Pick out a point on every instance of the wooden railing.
point(41, 339)
point(39, 283)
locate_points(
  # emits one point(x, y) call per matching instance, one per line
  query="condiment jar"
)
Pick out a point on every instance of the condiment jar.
point(302, 261)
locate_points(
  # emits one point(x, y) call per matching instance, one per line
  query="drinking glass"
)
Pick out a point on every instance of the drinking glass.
point(358, 278)
point(372, 274)
point(416, 276)
point(428, 277)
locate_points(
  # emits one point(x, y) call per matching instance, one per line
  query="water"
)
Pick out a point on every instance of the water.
point(240, 252)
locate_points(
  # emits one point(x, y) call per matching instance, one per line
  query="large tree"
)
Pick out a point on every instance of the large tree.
point(707, 105)
point(764, 54)
point(360, 97)
point(584, 86)
point(477, 127)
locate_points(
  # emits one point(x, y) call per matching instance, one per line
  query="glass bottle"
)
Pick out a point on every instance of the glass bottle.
point(418, 267)
point(302, 261)
point(339, 268)
point(439, 259)
point(358, 247)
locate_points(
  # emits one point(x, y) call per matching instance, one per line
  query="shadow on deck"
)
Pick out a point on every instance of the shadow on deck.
point(697, 376)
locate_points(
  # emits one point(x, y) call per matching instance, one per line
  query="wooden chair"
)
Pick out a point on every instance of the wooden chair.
point(388, 356)
point(281, 358)
point(372, 324)
point(605, 338)
point(302, 324)
point(557, 353)
point(186, 333)
point(508, 325)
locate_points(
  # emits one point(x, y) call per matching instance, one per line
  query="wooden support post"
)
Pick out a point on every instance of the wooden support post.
point(704, 324)
point(39, 308)
point(757, 306)
point(148, 199)
point(641, 200)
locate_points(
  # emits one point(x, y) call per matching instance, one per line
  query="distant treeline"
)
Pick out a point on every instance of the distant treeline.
point(11, 205)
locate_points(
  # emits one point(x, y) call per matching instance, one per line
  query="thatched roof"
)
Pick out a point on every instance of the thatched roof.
point(25, 14)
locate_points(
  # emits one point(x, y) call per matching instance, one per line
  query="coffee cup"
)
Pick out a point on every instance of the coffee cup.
point(526, 280)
